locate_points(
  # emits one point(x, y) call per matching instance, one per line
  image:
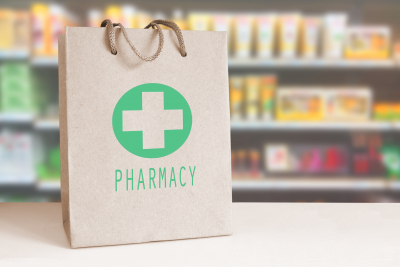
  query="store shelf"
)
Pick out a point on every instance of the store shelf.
point(304, 125)
point(396, 125)
point(45, 61)
point(53, 124)
point(16, 118)
point(20, 181)
point(47, 124)
point(355, 184)
point(244, 63)
point(13, 54)
point(312, 63)
point(49, 185)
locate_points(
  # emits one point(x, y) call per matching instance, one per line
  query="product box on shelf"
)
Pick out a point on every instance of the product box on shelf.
point(199, 21)
point(298, 103)
point(254, 163)
point(41, 30)
point(390, 159)
point(21, 31)
point(48, 21)
point(6, 29)
point(242, 35)
point(113, 13)
point(57, 24)
point(16, 94)
point(252, 97)
point(289, 32)
point(334, 30)
point(222, 22)
point(306, 159)
point(246, 164)
point(50, 169)
point(396, 51)
point(267, 96)
point(16, 157)
point(319, 159)
point(236, 97)
point(276, 158)
point(266, 26)
point(344, 104)
point(310, 36)
point(386, 111)
point(372, 42)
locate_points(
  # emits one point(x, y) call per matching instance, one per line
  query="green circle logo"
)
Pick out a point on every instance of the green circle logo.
point(152, 120)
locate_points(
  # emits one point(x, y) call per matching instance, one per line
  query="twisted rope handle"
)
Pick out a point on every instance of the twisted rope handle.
point(154, 24)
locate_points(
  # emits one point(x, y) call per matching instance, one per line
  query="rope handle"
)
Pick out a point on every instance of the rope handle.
point(154, 25)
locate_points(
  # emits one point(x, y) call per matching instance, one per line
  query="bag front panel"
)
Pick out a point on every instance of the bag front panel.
point(183, 194)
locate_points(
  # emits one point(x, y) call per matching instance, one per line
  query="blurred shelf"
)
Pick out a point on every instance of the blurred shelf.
point(47, 124)
point(310, 63)
point(395, 185)
point(49, 185)
point(16, 117)
point(396, 126)
point(45, 61)
point(53, 124)
point(13, 182)
point(242, 63)
point(305, 125)
point(13, 54)
point(355, 184)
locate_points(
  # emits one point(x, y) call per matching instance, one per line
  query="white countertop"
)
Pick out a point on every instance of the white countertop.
point(265, 234)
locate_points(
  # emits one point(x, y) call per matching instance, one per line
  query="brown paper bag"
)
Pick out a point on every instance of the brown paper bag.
point(145, 142)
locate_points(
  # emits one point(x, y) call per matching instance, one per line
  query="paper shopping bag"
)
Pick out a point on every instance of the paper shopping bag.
point(145, 140)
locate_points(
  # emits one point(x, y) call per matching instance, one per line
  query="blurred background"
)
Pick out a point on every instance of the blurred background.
point(314, 93)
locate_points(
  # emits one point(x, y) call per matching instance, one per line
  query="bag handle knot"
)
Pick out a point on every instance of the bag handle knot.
point(155, 24)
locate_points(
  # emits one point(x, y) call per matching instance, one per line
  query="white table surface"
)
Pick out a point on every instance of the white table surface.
point(265, 234)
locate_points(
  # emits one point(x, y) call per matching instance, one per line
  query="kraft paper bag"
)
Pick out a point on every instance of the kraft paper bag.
point(145, 141)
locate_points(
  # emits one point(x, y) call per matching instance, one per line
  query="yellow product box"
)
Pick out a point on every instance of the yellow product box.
point(382, 111)
point(242, 35)
point(236, 96)
point(387, 111)
point(6, 29)
point(267, 95)
point(396, 111)
point(252, 97)
point(266, 25)
point(310, 34)
point(22, 31)
point(299, 104)
point(289, 27)
point(199, 22)
point(41, 30)
point(351, 103)
point(367, 42)
point(114, 13)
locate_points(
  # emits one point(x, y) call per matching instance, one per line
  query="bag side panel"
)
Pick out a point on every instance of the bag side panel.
point(63, 132)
